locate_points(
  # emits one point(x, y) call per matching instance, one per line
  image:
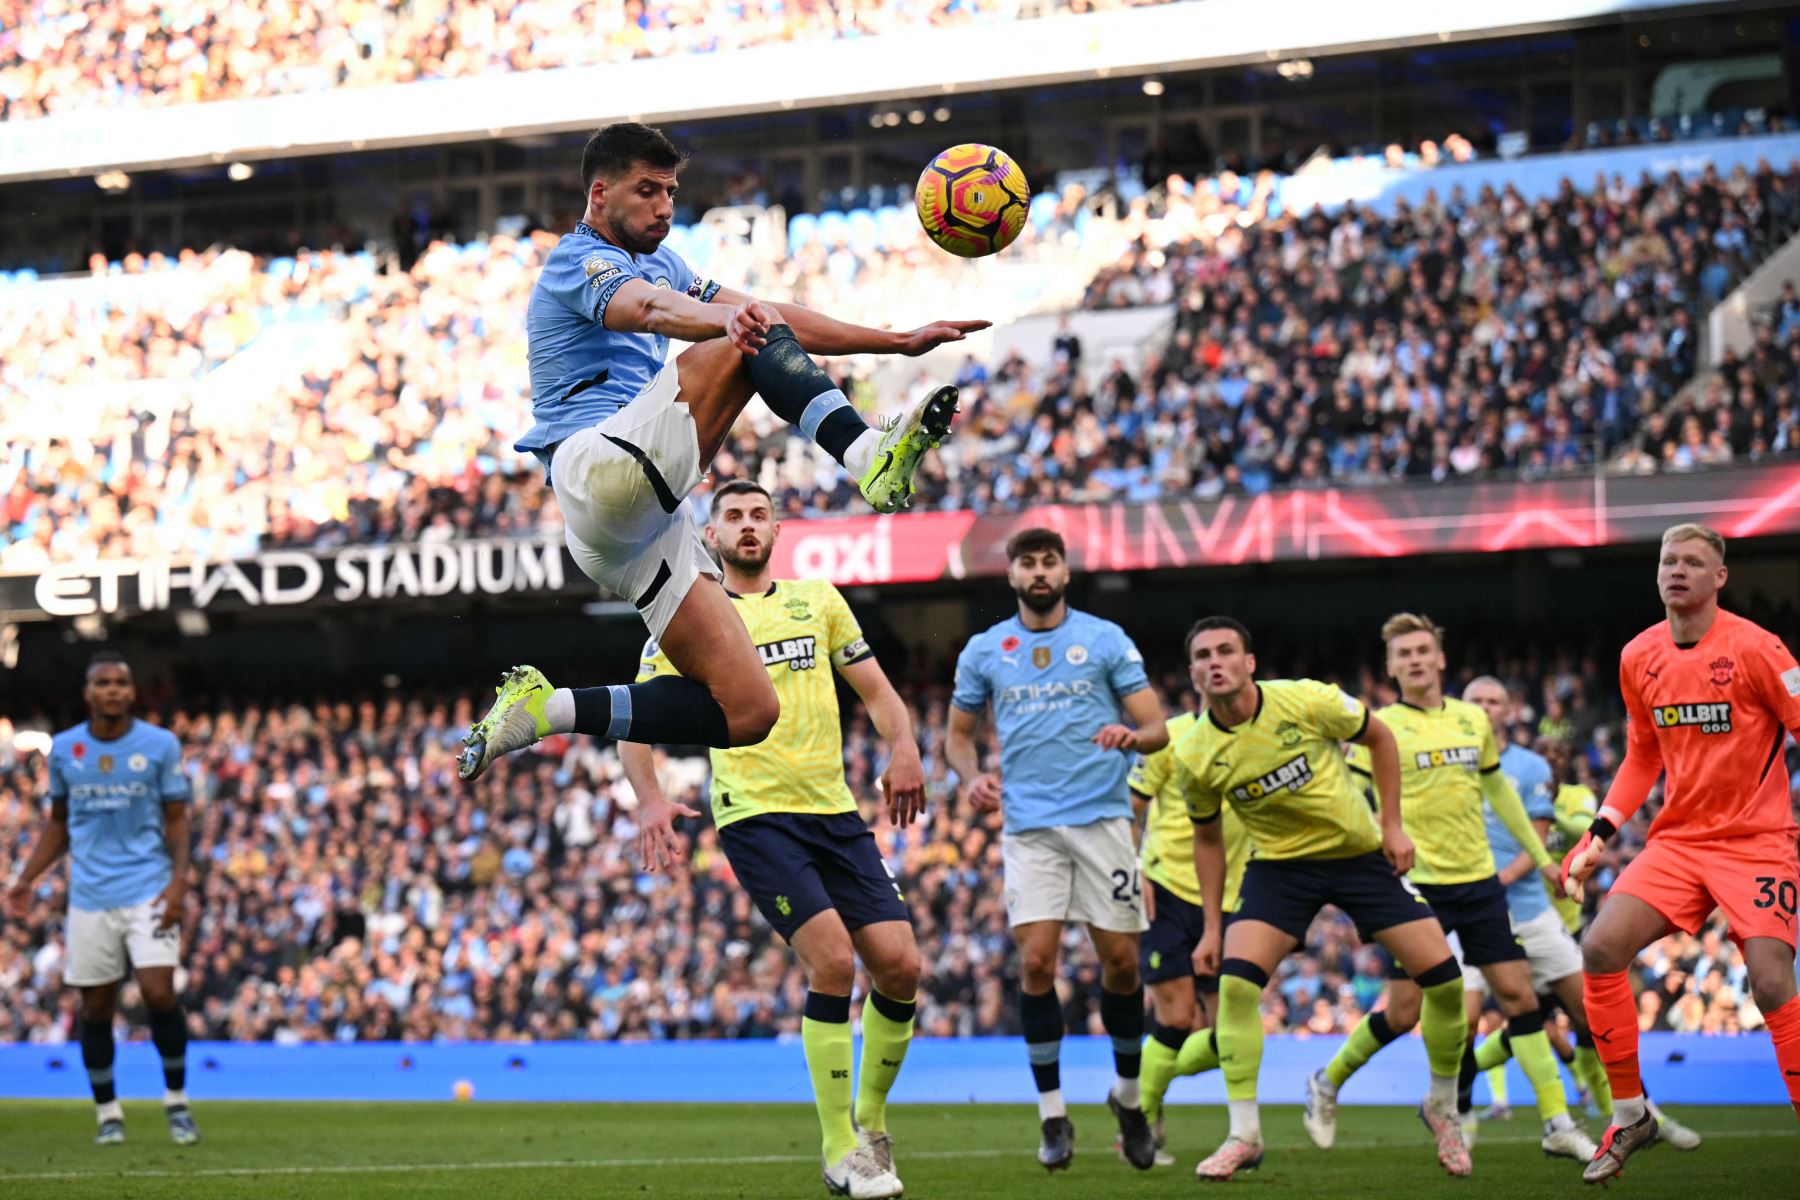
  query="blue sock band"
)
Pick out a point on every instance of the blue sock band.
point(820, 407)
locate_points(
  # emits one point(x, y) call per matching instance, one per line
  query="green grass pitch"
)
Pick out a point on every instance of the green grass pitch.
point(539, 1152)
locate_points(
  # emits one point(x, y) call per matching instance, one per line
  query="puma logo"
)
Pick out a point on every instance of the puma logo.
point(1601, 1037)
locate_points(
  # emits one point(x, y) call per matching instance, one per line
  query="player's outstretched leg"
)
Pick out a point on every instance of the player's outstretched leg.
point(1371, 1034)
point(883, 461)
point(1444, 1025)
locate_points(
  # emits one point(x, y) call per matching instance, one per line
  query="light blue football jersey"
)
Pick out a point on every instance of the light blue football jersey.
point(1051, 691)
point(581, 371)
point(115, 792)
point(1529, 774)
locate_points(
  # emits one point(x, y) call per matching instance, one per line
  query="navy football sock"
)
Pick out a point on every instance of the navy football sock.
point(798, 392)
point(665, 710)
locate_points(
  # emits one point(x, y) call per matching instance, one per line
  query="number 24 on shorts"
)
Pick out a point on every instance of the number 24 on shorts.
point(1123, 880)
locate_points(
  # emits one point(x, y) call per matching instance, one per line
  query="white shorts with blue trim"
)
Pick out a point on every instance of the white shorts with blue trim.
point(620, 485)
point(100, 940)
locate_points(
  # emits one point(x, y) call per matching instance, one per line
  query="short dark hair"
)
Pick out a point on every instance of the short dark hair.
point(613, 149)
point(739, 487)
point(1207, 624)
point(1035, 541)
point(106, 658)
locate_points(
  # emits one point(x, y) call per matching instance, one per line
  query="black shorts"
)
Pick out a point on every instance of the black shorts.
point(1166, 949)
point(1476, 913)
point(1288, 893)
point(797, 865)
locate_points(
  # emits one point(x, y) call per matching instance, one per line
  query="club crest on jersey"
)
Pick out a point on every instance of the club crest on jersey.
point(105, 762)
point(1710, 718)
point(1721, 670)
point(1468, 757)
point(138, 762)
point(1040, 657)
point(1290, 776)
point(1076, 655)
point(799, 653)
point(797, 608)
point(1289, 733)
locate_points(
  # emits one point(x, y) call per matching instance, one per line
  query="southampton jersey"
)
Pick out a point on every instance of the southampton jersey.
point(1168, 847)
point(115, 792)
point(1576, 806)
point(1529, 774)
point(1443, 753)
point(581, 371)
point(1283, 772)
point(801, 628)
point(1715, 715)
point(1051, 690)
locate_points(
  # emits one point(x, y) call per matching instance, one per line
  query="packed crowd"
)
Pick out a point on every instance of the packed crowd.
point(59, 56)
point(350, 888)
point(213, 404)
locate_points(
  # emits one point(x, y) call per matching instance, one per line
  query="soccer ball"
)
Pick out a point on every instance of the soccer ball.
point(972, 200)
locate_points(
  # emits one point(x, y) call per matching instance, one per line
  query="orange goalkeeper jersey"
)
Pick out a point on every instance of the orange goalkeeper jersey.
point(1714, 715)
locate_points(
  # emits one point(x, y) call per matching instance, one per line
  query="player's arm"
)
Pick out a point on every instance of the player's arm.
point(638, 306)
point(656, 813)
point(820, 334)
point(50, 846)
point(1505, 802)
point(1205, 810)
point(1384, 768)
point(1630, 787)
point(1521, 863)
point(178, 836)
point(1146, 712)
point(983, 787)
point(903, 783)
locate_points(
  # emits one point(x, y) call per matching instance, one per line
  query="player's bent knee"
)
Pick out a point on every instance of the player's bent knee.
point(1598, 957)
point(750, 720)
point(1771, 990)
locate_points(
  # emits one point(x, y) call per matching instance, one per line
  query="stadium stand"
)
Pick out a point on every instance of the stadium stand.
point(1445, 340)
point(57, 56)
point(350, 889)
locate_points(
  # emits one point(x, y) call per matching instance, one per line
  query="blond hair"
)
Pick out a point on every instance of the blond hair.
point(1694, 532)
point(1401, 624)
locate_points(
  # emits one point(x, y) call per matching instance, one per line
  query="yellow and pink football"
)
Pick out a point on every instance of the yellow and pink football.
point(972, 200)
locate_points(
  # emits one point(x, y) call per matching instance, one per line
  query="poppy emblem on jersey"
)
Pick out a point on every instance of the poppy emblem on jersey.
point(1076, 655)
point(105, 762)
point(138, 762)
point(1008, 645)
point(1040, 657)
point(1721, 670)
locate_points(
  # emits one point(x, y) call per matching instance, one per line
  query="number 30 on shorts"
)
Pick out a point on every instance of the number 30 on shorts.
point(1768, 895)
point(1126, 886)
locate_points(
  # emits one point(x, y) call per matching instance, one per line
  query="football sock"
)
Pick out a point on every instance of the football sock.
point(1041, 1018)
point(1465, 1076)
point(825, 1034)
point(1162, 1053)
point(1493, 1052)
point(798, 392)
point(1591, 1074)
point(97, 1057)
point(667, 709)
point(1612, 1018)
point(1122, 1016)
point(1497, 1085)
point(1784, 1031)
point(1370, 1035)
point(1240, 1030)
point(887, 1029)
point(1531, 1047)
point(1199, 1053)
point(169, 1031)
point(1443, 1022)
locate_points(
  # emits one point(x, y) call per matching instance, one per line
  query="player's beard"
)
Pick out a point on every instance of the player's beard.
point(749, 562)
point(1041, 602)
point(638, 241)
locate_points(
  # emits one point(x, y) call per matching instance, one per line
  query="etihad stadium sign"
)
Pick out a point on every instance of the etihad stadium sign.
point(281, 578)
point(1180, 532)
